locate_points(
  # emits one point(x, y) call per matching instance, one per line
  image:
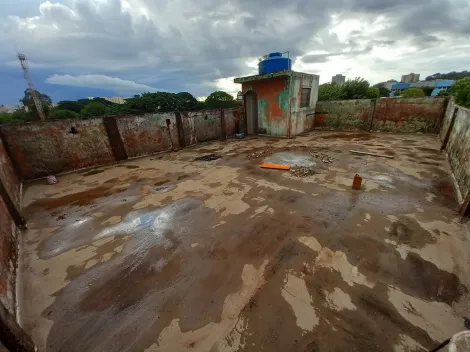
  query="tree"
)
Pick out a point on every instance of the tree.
point(427, 91)
point(28, 101)
point(329, 91)
point(17, 116)
point(461, 91)
point(62, 114)
point(186, 102)
point(384, 91)
point(355, 89)
point(70, 105)
point(93, 109)
point(373, 93)
point(220, 100)
point(413, 93)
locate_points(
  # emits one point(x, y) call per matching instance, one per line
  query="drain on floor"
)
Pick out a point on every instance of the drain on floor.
point(208, 157)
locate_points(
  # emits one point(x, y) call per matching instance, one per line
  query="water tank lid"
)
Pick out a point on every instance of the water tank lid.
point(274, 54)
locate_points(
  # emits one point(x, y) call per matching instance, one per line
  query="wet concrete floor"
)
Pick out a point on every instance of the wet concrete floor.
point(169, 253)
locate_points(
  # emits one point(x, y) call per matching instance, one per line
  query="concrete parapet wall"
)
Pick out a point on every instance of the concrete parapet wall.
point(386, 115)
point(52, 147)
point(343, 114)
point(43, 148)
point(409, 115)
point(457, 146)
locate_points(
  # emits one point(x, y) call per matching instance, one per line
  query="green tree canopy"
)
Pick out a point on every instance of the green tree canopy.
point(373, 93)
point(28, 101)
point(461, 91)
point(383, 91)
point(413, 93)
point(93, 109)
point(329, 91)
point(62, 114)
point(70, 105)
point(427, 91)
point(355, 89)
point(220, 100)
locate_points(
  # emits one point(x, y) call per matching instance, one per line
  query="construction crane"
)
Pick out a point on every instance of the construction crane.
point(32, 89)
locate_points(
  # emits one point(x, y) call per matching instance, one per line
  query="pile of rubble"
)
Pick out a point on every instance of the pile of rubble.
point(259, 154)
point(302, 171)
point(323, 157)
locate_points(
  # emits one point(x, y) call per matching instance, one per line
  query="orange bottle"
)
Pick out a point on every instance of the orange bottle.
point(357, 182)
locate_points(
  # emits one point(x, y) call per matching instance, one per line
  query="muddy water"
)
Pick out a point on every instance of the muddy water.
point(176, 255)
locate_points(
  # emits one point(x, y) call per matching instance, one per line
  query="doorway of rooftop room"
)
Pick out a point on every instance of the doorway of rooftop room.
point(251, 103)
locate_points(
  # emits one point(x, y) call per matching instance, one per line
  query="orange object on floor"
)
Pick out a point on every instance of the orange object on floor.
point(357, 182)
point(275, 166)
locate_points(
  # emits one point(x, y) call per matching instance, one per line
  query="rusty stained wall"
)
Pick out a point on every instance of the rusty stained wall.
point(148, 133)
point(458, 151)
point(344, 114)
point(273, 96)
point(8, 259)
point(207, 125)
point(8, 176)
point(302, 117)
point(232, 119)
point(52, 147)
point(449, 113)
point(409, 115)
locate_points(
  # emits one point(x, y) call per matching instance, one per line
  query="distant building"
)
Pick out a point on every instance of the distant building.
point(389, 84)
point(115, 100)
point(9, 109)
point(442, 84)
point(422, 84)
point(338, 79)
point(410, 78)
point(397, 87)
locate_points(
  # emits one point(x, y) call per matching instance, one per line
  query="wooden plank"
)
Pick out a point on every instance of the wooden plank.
point(373, 154)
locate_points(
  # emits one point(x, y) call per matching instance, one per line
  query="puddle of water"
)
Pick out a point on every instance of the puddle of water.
point(150, 225)
point(292, 159)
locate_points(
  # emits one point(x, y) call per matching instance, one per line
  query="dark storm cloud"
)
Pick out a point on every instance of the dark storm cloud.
point(189, 43)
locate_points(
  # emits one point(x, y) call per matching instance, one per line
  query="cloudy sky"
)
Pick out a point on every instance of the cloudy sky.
point(80, 48)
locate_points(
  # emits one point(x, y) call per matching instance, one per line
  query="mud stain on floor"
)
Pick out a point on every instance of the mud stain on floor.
point(223, 256)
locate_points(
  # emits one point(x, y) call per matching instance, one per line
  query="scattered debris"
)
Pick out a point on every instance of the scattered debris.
point(51, 179)
point(302, 171)
point(323, 157)
point(357, 181)
point(208, 157)
point(275, 166)
point(373, 154)
point(259, 154)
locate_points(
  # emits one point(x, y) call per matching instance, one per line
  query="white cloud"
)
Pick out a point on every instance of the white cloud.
point(100, 81)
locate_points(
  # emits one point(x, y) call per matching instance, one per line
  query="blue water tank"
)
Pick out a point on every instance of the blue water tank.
point(273, 63)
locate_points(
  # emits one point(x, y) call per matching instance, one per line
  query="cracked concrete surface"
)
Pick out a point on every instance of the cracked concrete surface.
point(165, 253)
